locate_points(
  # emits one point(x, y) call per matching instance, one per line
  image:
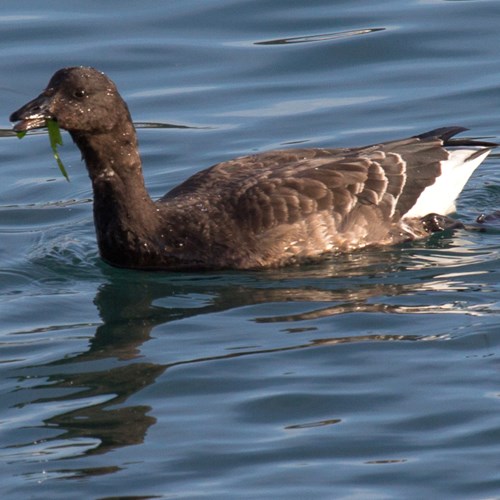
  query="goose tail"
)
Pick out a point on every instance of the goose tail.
point(464, 156)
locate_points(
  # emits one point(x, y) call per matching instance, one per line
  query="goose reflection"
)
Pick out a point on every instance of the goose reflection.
point(103, 379)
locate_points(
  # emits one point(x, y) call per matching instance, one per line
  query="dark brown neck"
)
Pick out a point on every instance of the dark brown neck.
point(125, 217)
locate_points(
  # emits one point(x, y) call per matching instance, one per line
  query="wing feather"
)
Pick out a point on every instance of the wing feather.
point(336, 186)
point(368, 188)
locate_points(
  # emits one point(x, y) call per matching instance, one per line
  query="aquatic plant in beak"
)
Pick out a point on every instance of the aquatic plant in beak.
point(55, 140)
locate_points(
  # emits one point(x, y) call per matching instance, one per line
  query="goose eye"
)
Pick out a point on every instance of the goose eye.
point(79, 93)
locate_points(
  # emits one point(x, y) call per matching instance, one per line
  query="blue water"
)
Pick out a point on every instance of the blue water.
point(373, 375)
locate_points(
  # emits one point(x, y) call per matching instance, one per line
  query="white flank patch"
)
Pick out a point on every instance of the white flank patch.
point(440, 197)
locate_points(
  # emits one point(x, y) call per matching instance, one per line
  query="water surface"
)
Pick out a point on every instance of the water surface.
point(371, 375)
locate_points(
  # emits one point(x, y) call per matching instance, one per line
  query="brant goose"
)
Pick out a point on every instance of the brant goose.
point(266, 210)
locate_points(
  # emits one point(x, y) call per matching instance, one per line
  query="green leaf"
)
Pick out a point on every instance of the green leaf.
point(55, 141)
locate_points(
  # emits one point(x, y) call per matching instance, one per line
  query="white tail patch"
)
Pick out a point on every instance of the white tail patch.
point(440, 197)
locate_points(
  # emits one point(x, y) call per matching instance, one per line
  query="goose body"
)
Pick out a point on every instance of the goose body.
point(265, 210)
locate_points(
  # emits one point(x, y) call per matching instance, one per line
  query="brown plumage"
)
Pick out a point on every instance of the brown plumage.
point(269, 209)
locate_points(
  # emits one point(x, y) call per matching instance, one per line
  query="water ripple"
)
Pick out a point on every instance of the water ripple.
point(323, 37)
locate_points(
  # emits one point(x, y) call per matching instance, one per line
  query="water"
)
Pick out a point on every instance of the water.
point(373, 375)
